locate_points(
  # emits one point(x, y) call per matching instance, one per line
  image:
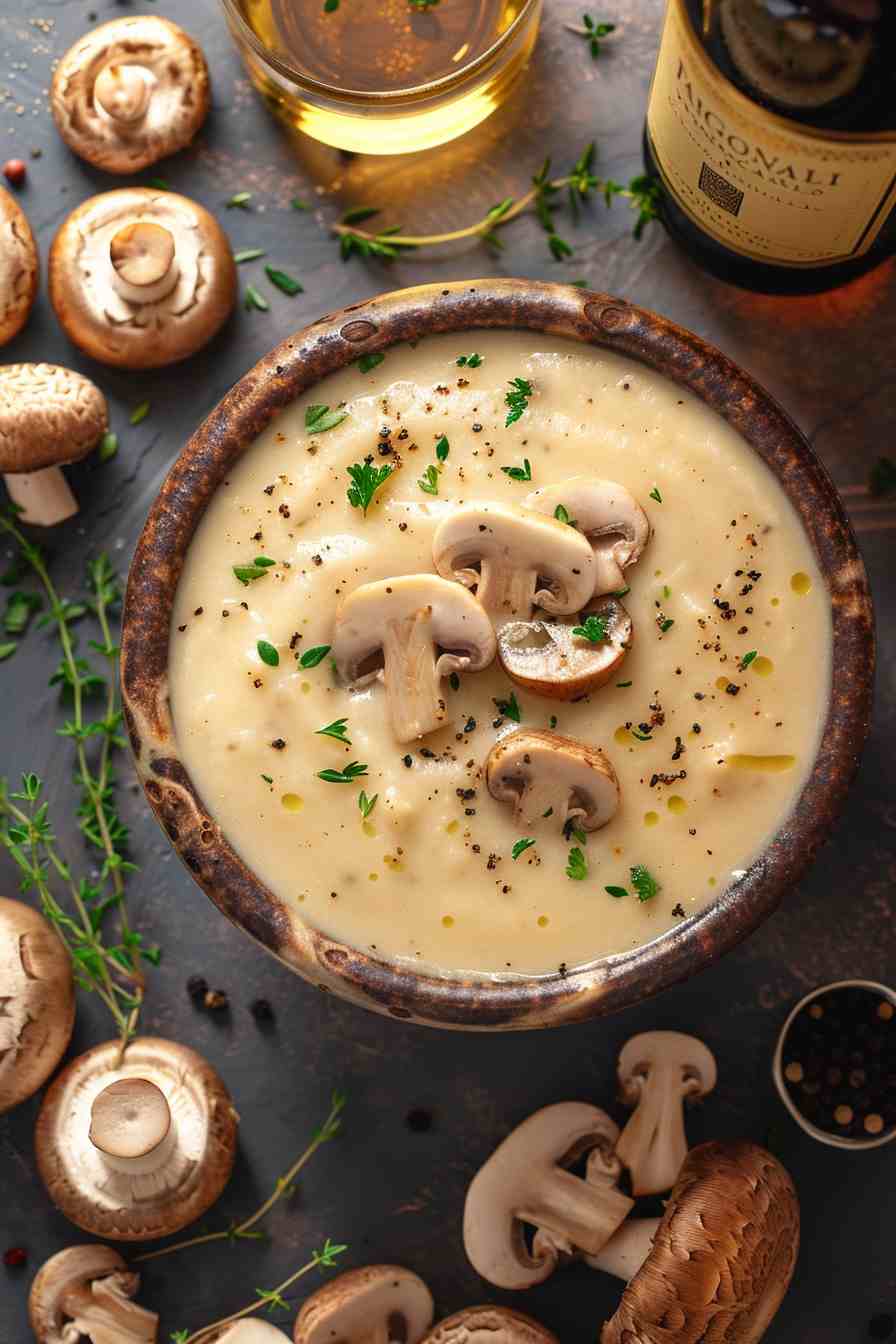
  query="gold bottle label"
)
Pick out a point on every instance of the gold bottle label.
point(761, 185)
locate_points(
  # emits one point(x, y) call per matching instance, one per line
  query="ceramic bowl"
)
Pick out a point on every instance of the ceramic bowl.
point(290, 371)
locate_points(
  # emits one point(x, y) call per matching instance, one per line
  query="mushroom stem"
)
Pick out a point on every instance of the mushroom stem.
point(570, 1210)
point(123, 91)
point(627, 1249)
point(104, 1313)
point(411, 676)
point(43, 497)
point(505, 591)
point(144, 263)
point(130, 1121)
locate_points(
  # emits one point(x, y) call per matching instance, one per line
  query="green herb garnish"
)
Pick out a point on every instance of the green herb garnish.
point(642, 737)
point(747, 659)
point(257, 570)
point(576, 867)
point(594, 630)
point(254, 299)
point(442, 449)
point(318, 419)
point(368, 362)
point(592, 32)
point(267, 653)
point(523, 473)
point(655, 494)
point(665, 625)
point(108, 446)
point(618, 892)
point(7, 650)
point(354, 770)
point(510, 708)
point(517, 401)
point(366, 480)
point(20, 607)
point(621, 685)
point(366, 804)
point(239, 200)
point(311, 657)
point(562, 515)
point(285, 283)
point(520, 848)
point(139, 413)
point(646, 887)
point(268, 779)
point(429, 481)
point(248, 254)
point(335, 729)
point(469, 361)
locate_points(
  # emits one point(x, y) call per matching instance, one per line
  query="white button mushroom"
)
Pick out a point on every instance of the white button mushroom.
point(549, 658)
point(515, 559)
point(489, 1325)
point(85, 1292)
point(608, 515)
point(658, 1071)
point(249, 1331)
point(718, 1263)
point(410, 633)
point(525, 1182)
point(18, 268)
point(548, 777)
point(37, 1002)
point(141, 278)
point(49, 417)
point(136, 1150)
point(379, 1304)
point(130, 92)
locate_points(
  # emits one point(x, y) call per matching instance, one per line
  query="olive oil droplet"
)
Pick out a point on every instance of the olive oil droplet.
point(292, 802)
point(762, 666)
point(447, 921)
point(677, 804)
point(651, 818)
point(770, 764)
point(800, 583)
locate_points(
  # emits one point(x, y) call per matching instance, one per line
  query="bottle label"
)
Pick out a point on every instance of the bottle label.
point(761, 185)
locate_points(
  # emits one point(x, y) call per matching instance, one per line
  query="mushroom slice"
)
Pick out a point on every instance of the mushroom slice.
point(18, 267)
point(130, 92)
point(719, 1262)
point(249, 1331)
point(658, 1071)
point(548, 776)
point(411, 632)
point(490, 1325)
point(136, 1149)
point(86, 1291)
point(37, 1002)
point(548, 658)
point(141, 278)
point(49, 416)
point(379, 1304)
point(505, 552)
point(608, 515)
point(525, 1181)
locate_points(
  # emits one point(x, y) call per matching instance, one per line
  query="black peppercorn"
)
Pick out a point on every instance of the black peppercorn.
point(197, 987)
point(261, 1010)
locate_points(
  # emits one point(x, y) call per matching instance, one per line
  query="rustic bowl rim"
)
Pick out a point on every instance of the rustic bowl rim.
point(297, 365)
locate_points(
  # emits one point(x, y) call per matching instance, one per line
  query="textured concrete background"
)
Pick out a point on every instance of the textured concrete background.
point(391, 1193)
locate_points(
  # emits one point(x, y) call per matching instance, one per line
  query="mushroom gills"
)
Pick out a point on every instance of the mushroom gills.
point(545, 657)
point(549, 777)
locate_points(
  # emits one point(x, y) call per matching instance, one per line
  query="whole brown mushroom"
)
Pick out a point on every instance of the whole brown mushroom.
point(718, 1263)
point(489, 1325)
point(37, 1003)
point(141, 278)
point(137, 1149)
point(49, 417)
point(86, 1292)
point(18, 267)
point(130, 92)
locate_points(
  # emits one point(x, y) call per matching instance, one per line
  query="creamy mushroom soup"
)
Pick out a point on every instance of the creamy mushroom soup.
point(711, 721)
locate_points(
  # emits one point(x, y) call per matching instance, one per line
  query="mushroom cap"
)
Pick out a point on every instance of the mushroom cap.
point(248, 1331)
point(520, 541)
point(692, 1063)
point(722, 1257)
point(525, 1181)
point(79, 1268)
point(459, 624)
point(579, 775)
point(607, 514)
point(18, 267)
point(37, 1003)
point(131, 326)
point(490, 1325)
point(112, 1200)
point(48, 416)
point(545, 657)
point(354, 1304)
point(130, 92)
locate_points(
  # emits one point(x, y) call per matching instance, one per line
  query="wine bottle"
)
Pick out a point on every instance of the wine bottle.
point(771, 126)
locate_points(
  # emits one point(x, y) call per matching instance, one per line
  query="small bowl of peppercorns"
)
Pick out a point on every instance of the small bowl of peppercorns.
point(835, 1064)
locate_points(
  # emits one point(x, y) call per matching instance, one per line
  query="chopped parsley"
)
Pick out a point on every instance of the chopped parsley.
point(287, 284)
point(311, 657)
point(621, 685)
point(665, 625)
point(368, 362)
point(366, 804)
point(7, 650)
point(254, 299)
point(366, 480)
point(442, 449)
point(298, 204)
point(267, 653)
point(646, 886)
point(562, 515)
point(510, 708)
point(239, 200)
point(108, 446)
point(335, 729)
point(617, 892)
point(469, 361)
point(594, 630)
point(248, 254)
point(139, 413)
point(642, 737)
point(620, 592)
point(520, 848)
point(655, 494)
point(747, 659)
point(318, 419)
point(268, 779)
point(429, 481)
point(523, 473)
point(354, 770)
point(576, 867)
point(517, 401)
point(257, 570)
point(592, 32)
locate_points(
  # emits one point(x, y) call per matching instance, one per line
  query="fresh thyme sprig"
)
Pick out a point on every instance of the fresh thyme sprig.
point(114, 972)
point(243, 1231)
point(592, 32)
point(580, 182)
point(270, 1298)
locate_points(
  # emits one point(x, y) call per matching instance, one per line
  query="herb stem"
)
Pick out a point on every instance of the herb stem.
point(254, 1306)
